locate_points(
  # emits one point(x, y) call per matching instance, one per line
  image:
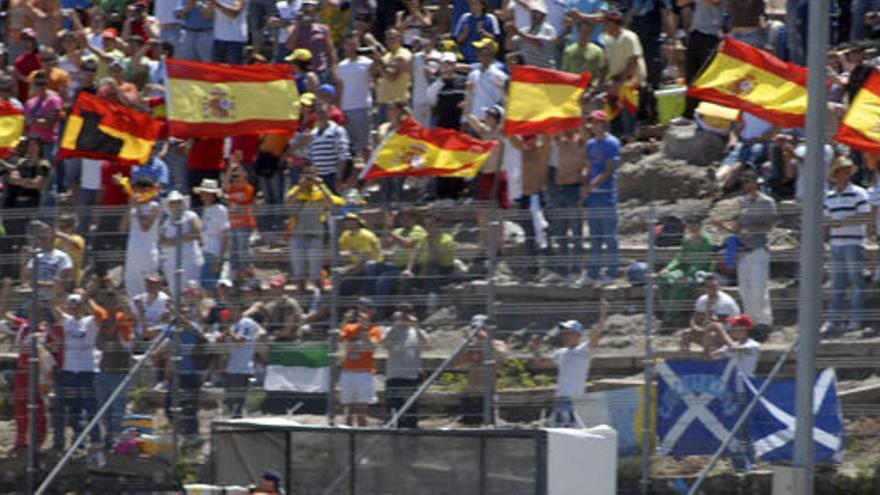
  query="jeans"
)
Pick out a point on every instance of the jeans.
point(210, 276)
point(330, 182)
point(273, 194)
point(603, 240)
point(190, 388)
point(752, 275)
point(105, 384)
point(742, 453)
point(756, 38)
point(88, 198)
point(197, 45)
point(567, 227)
point(240, 248)
point(388, 283)
point(563, 415)
point(751, 155)
point(305, 256)
point(235, 387)
point(397, 392)
point(228, 52)
point(624, 125)
point(76, 405)
point(846, 270)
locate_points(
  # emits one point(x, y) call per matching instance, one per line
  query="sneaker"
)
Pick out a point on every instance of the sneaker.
point(587, 281)
point(573, 280)
point(552, 278)
point(606, 281)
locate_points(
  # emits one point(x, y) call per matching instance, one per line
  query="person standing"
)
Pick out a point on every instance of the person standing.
point(600, 193)
point(198, 33)
point(757, 216)
point(848, 215)
point(485, 84)
point(53, 266)
point(230, 30)
point(404, 342)
point(240, 197)
point(182, 221)
point(572, 362)
point(703, 39)
point(241, 336)
point(359, 341)
point(625, 71)
point(80, 318)
point(215, 232)
point(393, 73)
point(353, 80)
point(115, 340)
point(142, 252)
point(329, 151)
point(584, 55)
point(537, 43)
point(475, 25)
point(566, 213)
point(309, 201)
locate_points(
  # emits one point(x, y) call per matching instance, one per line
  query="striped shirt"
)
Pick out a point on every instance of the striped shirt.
point(848, 203)
point(874, 200)
point(328, 147)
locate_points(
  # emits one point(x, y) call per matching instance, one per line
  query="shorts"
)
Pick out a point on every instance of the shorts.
point(356, 387)
point(485, 183)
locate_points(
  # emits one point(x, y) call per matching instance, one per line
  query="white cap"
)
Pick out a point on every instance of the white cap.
point(540, 6)
point(74, 299)
point(225, 282)
point(448, 57)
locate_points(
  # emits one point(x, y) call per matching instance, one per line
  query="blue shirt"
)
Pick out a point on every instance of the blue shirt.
point(489, 23)
point(599, 152)
point(188, 340)
point(155, 169)
point(193, 20)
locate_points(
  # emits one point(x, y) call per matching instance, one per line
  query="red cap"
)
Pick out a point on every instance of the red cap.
point(742, 321)
point(224, 314)
point(110, 33)
point(278, 281)
point(598, 115)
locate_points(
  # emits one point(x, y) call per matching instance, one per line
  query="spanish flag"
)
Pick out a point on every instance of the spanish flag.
point(756, 82)
point(11, 127)
point(860, 128)
point(543, 101)
point(627, 98)
point(412, 150)
point(219, 100)
point(105, 130)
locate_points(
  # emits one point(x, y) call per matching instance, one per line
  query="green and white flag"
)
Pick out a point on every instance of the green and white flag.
point(297, 368)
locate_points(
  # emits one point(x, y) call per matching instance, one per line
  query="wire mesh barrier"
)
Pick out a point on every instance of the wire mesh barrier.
point(289, 307)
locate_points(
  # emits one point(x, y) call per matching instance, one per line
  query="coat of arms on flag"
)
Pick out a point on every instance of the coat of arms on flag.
point(696, 405)
point(772, 422)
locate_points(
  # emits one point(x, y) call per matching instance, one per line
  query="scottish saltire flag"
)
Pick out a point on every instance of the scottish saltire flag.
point(696, 405)
point(772, 421)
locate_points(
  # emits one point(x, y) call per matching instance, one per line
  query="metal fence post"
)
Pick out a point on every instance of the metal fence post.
point(335, 280)
point(649, 358)
point(174, 389)
point(33, 362)
point(488, 348)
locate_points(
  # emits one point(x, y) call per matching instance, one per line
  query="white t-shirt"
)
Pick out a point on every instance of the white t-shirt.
point(230, 28)
point(725, 305)
point(355, 77)
point(192, 251)
point(241, 354)
point(143, 242)
point(215, 220)
point(153, 311)
point(746, 360)
point(287, 10)
point(49, 267)
point(422, 61)
point(573, 368)
point(80, 353)
point(521, 16)
point(90, 175)
point(488, 88)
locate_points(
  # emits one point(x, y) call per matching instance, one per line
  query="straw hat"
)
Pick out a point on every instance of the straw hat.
point(839, 163)
point(210, 186)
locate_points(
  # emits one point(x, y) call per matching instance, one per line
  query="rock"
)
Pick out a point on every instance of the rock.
point(634, 214)
point(655, 177)
point(693, 145)
point(634, 152)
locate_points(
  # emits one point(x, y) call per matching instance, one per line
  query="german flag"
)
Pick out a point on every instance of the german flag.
point(411, 150)
point(860, 128)
point(543, 101)
point(11, 127)
point(105, 130)
point(756, 82)
point(219, 100)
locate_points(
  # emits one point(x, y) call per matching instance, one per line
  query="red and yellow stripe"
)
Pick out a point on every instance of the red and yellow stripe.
point(411, 150)
point(756, 82)
point(11, 128)
point(860, 128)
point(219, 100)
point(543, 101)
point(627, 98)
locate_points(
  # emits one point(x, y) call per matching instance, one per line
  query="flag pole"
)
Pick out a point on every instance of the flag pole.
point(810, 296)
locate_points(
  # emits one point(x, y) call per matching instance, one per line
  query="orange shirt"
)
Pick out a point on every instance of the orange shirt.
point(359, 360)
point(241, 205)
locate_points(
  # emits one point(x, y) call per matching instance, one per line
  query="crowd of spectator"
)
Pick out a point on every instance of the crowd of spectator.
point(361, 67)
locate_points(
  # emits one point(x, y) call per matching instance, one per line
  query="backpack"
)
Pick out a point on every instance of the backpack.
point(669, 231)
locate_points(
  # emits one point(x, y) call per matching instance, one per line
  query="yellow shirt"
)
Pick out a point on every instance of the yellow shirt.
point(619, 50)
point(362, 244)
point(77, 251)
point(388, 91)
